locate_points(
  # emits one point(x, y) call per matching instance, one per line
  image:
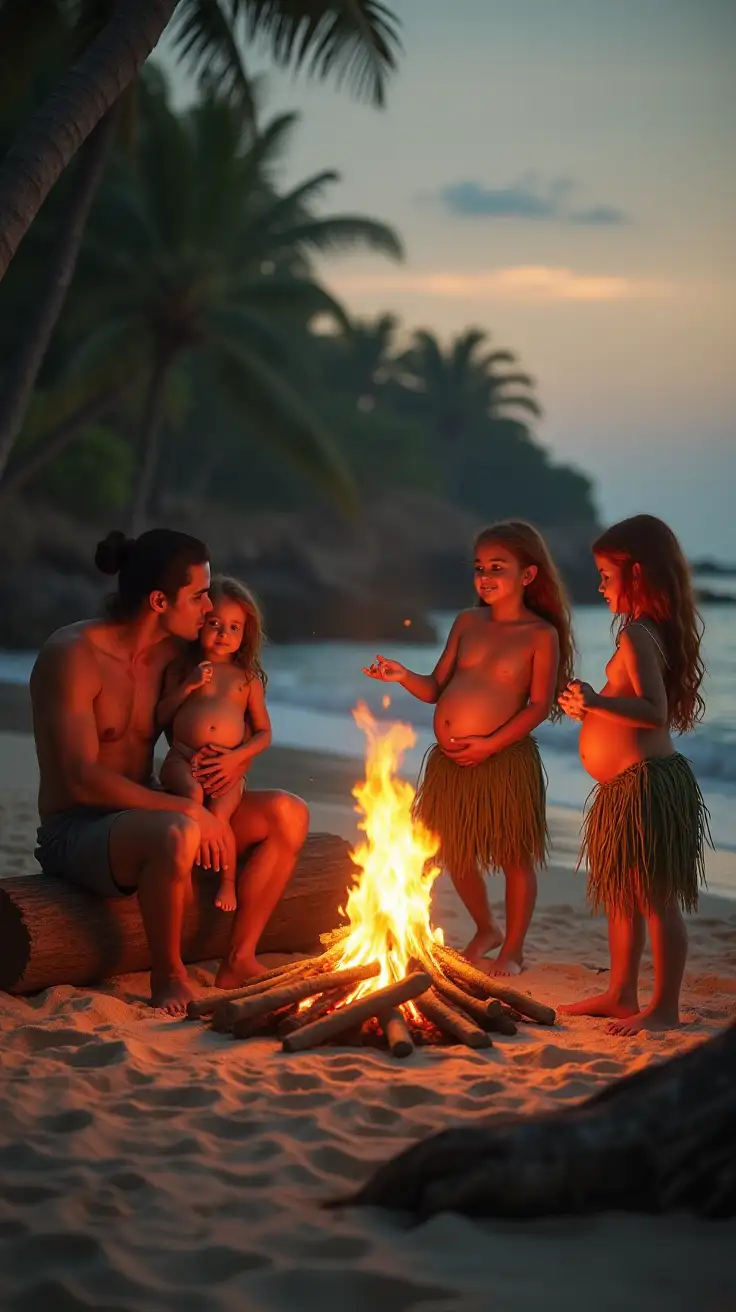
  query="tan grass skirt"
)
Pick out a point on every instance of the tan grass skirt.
point(644, 836)
point(489, 816)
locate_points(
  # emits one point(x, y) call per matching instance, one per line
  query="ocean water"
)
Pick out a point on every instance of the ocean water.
point(313, 688)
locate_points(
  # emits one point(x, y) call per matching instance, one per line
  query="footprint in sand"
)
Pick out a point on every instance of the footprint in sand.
point(413, 1095)
point(334, 1161)
point(212, 1266)
point(297, 1082)
point(66, 1122)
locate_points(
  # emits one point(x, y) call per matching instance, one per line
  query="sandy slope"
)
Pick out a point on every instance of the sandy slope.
point(149, 1164)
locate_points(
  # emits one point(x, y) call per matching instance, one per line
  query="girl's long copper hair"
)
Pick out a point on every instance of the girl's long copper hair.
point(545, 595)
point(656, 583)
point(248, 655)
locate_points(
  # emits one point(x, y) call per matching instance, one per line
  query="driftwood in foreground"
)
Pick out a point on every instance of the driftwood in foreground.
point(451, 1021)
point(396, 1033)
point(661, 1140)
point(52, 932)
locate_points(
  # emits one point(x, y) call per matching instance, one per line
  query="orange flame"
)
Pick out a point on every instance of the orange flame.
point(389, 903)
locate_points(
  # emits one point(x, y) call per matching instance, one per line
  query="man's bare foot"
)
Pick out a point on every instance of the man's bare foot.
point(239, 971)
point(482, 942)
point(651, 1018)
point(171, 994)
point(225, 897)
point(602, 1004)
point(504, 965)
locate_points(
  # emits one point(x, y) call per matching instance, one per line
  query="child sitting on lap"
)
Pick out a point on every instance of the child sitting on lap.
point(214, 710)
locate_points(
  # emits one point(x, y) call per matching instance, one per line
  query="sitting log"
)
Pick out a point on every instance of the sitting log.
point(53, 932)
point(661, 1140)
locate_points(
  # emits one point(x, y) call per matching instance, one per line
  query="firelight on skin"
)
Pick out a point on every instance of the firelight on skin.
point(644, 836)
point(215, 711)
point(483, 789)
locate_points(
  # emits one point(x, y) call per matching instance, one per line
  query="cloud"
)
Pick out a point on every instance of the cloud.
point(528, 198)
point(533, 283)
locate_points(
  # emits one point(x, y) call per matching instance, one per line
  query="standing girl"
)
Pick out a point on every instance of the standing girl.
point(482, 789)
point(644, 835)
point(213, 704)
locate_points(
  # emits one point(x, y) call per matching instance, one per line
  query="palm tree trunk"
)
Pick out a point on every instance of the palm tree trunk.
point(23, 368)
point(56, 440)
point(83, 97)
point(151, 446)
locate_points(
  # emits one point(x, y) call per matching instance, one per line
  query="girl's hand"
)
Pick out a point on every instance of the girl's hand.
point(385, 670)
point(472, 750)
point(577, 698)
point(199, 676)
point(218, 770)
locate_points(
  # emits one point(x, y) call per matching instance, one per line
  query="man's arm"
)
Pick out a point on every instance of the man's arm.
point(64, 684)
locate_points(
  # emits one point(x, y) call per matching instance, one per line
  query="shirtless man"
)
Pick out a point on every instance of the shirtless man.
point(104, 823)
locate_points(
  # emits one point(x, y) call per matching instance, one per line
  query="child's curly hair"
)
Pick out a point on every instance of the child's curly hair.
point(545, 595)
point(248, 655)
point(656, 582)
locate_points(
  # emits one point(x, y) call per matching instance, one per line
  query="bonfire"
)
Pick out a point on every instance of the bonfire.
point(387, 974)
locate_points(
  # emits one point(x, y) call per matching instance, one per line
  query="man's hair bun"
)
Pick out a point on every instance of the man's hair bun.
point(112, 552)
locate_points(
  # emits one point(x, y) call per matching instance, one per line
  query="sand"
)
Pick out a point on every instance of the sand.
point(146, 1163)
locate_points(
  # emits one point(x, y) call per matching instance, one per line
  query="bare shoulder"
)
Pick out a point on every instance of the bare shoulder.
point(546, 637)
point(66, 659)
point(641, 642)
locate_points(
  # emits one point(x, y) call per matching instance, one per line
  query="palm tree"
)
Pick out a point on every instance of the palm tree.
point(354, 39)
point(191, 256)
point(457, 390)
point(360, 361)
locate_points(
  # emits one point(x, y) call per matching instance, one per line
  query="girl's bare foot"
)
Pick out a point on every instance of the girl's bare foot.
point(651, 1018)
point(484, 941)
point(239, 971)
point(225, 897)
point(171, 994)
point(603, 1004)
point(504, 965)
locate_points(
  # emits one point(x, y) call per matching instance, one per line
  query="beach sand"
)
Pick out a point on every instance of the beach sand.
point(146, 1163)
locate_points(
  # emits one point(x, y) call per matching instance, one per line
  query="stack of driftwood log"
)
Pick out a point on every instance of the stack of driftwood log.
point(305, 1004)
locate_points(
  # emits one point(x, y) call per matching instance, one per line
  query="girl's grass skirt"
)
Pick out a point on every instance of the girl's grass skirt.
point(644, 837)
point(488, 816)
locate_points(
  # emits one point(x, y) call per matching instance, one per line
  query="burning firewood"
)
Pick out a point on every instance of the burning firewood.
point(323, 1004)
point(396, 1033)
point(355, 1013)
point(281, 995)
point(485, 1012)
point(451, 1022)
point(458, 968)
point(201, 1007)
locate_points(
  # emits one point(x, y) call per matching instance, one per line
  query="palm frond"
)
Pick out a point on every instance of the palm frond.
point(356, 41)
point(204, 34)
point(281, 419)
point(345, 232)
point(299, 297)
point(527, 403)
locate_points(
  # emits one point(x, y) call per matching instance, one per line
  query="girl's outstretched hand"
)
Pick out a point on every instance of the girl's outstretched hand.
point(577, 698)
point(385, 670)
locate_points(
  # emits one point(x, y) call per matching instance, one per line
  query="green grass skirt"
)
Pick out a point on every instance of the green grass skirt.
point(488, 816)
point(644, 837)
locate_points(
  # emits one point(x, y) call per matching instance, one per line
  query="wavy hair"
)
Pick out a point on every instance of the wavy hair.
point(656, 583)
point(248, 655)
point(546, 595)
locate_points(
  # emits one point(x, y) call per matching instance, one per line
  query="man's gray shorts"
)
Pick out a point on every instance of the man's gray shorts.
point(76, 845)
